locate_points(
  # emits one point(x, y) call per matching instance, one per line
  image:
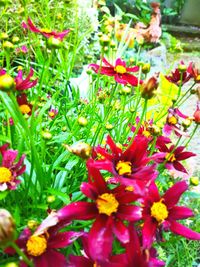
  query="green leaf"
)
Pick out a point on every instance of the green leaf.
point(3, 194)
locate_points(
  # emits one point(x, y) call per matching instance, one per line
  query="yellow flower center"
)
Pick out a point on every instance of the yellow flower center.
point(107, 204)
point(198, 78)
point(159, 211)
point(51, 113)
point(129, 188)
point(96, 265)
point(172, 120)
point(36, 245)
point(5, 175)
point(45, 30)
point(170, 157)
point(124, 167)
point(25, 109)
point(146, 133)
point(120, 69)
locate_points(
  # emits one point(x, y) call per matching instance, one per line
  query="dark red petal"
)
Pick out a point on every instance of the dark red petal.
point(133, 69)
point(98, 180)
point(121, 231)
point(148, 232)
point(55, 258)
point(61, 240)
point(119, 79)
point(89, 190)
point(79, 261)
point(116, 151)
point(100, 239)
point(184, 155)
point(182, 230)
point(179, 167)
point(173, 194)
point(77, 211)
point(41, 261)
point(153, 194)
point(180, 213)
point(129, 212)
point(107, 63)
point(131, 79)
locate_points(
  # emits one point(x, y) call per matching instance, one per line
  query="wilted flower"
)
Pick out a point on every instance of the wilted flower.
point(80, 149)
point(9, 171)
point(194, 72)
point(196, 114)
point(148, 87)
point(7, 227)
point(45, 32)
point(120, 71)
point(161, 213)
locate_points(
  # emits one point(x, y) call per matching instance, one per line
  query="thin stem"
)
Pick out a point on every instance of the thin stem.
point(21, 254)
point(193, 133)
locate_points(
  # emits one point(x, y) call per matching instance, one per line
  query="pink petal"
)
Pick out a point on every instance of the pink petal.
point(185, 155)
point(148, 232)
point(100, 239)
point(61, 240)
point(121, 231)
point(129, 212)
point(182, 230)
point(173, 194)
point(89, 190)
point(120, 62)
point(131, 79)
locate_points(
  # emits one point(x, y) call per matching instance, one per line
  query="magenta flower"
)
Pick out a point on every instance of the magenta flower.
point(52, 113)
point(26, 83)
point(42, 248)
point(9, 171)
point(120, 71)
point(109, 207)
point(129, 167)
point(23, 49)
point(173, 156)
point(46, 33)
point(161, 213)
point(174, 123)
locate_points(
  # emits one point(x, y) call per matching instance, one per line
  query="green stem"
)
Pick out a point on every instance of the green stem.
point(193, 133)
point(21, 254)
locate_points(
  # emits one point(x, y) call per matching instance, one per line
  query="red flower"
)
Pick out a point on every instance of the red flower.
point(196, 114)
point(46, 33)
point(24, 106)
point(42, 247)
point(194, 72)
point(161, 213)
point(120, 72)
point(175, 76)
point(129, 167)
point(26, 83)
point(173, 156)
point(9, 171)
point(110, 207)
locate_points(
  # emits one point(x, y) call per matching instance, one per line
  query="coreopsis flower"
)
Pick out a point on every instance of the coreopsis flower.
point(173, 156)
point(129, 167)
point(109, 207)
point(24, 106)
point(120, 71)
point(41, 248)
point(180, 76)
point(22, 49)
point(194, 72)
point(27, 83)
point(161, 213)
point(174, 122)
point(45, 32)
point(52, 113)
point(9, 170)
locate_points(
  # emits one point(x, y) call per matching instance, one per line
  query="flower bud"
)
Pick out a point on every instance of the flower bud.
point(196, 115)
point(182, 67)
point(4, 36)
point(146, 68)
point(81, 150)
point(112, 44)
point(15, 39)
point(7, 83)
point(109, 126)
point(82, 121)
point(187, 122)
point(54, 43)
point(46, 135)
point(148, 88)
point(12, 264)
point(8, 46)
point(154, 130)
point(7, 227)
point(194, 180)
point(126, 90)
point(51, 199)
point(104, 40)
point(32, 224)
